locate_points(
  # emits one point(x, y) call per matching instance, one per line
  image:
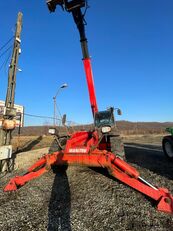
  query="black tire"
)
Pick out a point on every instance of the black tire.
point(117, 146)
point(167, 145)
point(55, 146)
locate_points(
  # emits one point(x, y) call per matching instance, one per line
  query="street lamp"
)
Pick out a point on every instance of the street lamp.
point(64, 85)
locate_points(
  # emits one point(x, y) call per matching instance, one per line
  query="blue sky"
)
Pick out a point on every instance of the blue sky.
point(131, 45)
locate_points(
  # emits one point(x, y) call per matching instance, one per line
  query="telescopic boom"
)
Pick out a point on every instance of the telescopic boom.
point(75, 8)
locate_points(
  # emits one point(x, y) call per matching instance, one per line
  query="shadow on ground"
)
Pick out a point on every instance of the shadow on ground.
point(30, 145)
point(153, 160)
point(60, 203)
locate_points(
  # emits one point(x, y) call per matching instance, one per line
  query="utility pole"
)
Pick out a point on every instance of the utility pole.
point(8, 122)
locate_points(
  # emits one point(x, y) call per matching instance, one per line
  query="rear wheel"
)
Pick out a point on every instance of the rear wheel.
point(167, 145)
point(117, 146)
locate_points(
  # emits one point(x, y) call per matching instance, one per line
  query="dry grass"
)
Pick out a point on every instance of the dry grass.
point(155, 139)
point(26, 143)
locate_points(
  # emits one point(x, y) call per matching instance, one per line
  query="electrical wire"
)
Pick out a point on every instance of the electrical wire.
point(1, 48)
point(6, 51)
point(4, 64)
point(44, 117)
point(86, 8)
point(47, 117)
point(83, 15)
point(39, 116)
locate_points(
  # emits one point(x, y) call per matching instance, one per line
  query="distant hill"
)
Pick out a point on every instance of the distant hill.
point(125, 127)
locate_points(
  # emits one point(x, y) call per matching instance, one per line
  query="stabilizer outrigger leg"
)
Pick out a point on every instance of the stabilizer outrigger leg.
point(97, 158)
point(39, 168)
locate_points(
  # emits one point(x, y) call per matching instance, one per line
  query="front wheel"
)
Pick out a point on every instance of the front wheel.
point(57, 146)
point(167, 145)
point(117, 146)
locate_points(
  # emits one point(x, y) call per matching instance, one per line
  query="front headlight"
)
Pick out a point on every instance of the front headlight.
point(106, 129)
point(52, 131)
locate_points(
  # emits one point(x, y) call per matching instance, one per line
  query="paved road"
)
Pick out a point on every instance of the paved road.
point(150, 157)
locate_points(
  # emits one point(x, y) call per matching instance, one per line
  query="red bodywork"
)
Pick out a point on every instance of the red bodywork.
point(84, 148)
point(81, 149)
point(90, 83)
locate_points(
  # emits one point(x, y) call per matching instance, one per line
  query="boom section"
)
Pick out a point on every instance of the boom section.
point(79, 20)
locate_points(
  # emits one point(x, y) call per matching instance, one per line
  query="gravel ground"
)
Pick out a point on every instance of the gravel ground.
point(86, 199)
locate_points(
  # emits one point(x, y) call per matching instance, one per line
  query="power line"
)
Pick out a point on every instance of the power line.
point(39, 116)
point(6, 51)
point(1, 48)
point(5, 62)
point(47, 117)
point(2, 65)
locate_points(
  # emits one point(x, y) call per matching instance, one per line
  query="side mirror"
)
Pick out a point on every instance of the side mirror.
point(119, 112)
point(64, 119)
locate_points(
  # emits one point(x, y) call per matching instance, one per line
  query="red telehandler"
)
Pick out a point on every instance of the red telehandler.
point(93, 148)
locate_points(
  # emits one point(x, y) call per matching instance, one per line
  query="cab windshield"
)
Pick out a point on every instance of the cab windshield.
point(104, 118)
